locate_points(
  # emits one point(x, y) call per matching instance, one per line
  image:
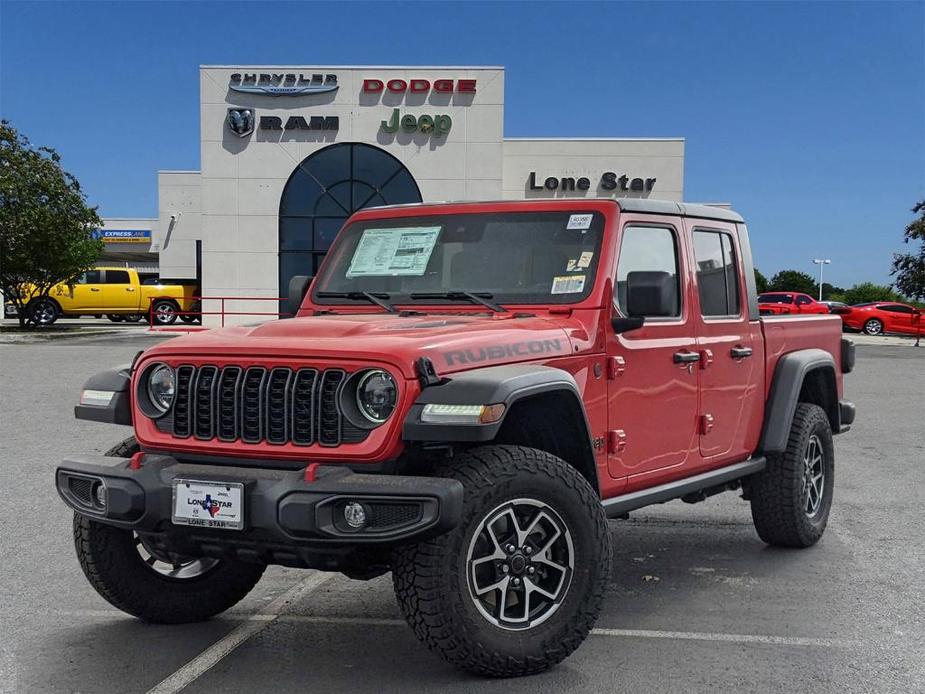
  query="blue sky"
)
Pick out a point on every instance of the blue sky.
point(809, 118)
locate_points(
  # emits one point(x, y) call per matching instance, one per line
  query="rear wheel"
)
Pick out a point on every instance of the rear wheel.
point(873, 327)
point(152, 585)
point(163, 312)
point(792, 496)
point(114, 317)
point(518, 585)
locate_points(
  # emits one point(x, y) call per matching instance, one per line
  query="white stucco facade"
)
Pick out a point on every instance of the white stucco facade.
point(442, 126)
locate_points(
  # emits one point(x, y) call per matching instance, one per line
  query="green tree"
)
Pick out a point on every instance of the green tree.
point(830, 291)
point(761, 282)
point(793, 281)
point(46, 227)
point(868, 291)
point(909, 268)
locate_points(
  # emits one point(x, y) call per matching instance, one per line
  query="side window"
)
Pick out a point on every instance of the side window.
point(117, 277)
point(90, 277)
point(803, 300)
point(717, 273)
point(897, 308)
point(647, 273)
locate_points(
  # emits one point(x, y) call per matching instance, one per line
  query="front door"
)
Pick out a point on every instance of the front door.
point(730, 346)
point(85, 295)
point(653, 372)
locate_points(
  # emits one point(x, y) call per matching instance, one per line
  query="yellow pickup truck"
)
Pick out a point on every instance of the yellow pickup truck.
point(118, 293)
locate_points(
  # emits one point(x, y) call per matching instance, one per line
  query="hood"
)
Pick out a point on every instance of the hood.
point(452, 342)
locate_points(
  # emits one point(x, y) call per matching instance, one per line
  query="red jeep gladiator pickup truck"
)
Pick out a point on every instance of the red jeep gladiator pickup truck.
point(467, 392)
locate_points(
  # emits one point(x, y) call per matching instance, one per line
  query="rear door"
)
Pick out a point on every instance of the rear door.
point(119, 292)
point(729, 344)
point(652, 394)
point(898, 318)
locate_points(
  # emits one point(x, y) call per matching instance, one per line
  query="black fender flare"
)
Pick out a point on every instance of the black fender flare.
point(119, 410)
point(789, 374)
point(491, 385)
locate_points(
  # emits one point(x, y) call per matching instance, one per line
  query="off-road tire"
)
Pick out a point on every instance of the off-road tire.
point(114, 567)
point(431, 581)
point(874, 326)
point(777, 494)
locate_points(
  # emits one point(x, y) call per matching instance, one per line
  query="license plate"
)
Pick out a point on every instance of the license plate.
point(208, 504)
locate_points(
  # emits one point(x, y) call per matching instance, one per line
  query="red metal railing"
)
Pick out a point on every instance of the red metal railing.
point(222, 311)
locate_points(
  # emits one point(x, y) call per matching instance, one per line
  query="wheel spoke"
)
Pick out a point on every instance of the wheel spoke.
point(522, 538)
point(530, 587)
point(497, 585)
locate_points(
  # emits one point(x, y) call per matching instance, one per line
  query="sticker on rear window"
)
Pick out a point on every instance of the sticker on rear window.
point(568, 284)
point(403, 251)
point(580, 221)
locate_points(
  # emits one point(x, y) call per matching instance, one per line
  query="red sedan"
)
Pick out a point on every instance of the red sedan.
point(884, 317)
point(778, 303)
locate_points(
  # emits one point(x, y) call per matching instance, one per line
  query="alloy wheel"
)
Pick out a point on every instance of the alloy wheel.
point(177, 568)
point(813, 476)
point(519, 564)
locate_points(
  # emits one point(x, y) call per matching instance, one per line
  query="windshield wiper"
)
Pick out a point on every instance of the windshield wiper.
point(379, 298)
point(474, 297)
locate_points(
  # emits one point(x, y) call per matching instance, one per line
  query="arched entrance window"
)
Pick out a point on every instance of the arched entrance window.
point(324, 190)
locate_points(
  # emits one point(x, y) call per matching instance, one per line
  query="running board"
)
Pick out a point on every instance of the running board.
point(618, 505)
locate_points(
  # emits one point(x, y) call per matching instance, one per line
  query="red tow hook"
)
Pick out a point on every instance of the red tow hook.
point(310, 472)
point(135, 462)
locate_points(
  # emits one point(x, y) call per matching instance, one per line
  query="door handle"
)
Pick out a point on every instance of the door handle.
point(686, 357)
point(740, 352)
point(130, 289)
point(94, 289)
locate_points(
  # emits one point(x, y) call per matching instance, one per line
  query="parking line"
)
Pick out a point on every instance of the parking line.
point(253, 625)
point(631, 633)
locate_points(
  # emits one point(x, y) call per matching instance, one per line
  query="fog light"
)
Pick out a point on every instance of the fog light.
point(100, 493)
point(355, 514)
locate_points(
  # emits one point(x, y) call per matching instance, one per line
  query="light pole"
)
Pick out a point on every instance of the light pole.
point(821, 262)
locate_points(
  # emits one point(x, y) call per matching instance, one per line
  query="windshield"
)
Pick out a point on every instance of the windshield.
point(508, 257)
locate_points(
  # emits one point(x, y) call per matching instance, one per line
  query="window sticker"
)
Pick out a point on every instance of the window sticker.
point(403, 251)
point(580, 221)
point(568, 284)
point(571, 265)
point(585, 259)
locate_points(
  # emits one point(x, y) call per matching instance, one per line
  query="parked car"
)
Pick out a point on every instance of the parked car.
point(465, 394)
point(115, 292)
point(782, 303)
point(882, 317)
point(836, 307)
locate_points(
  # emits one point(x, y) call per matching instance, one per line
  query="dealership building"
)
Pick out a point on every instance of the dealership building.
point(287, 153)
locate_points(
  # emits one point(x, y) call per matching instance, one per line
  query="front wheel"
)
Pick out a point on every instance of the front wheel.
point(873, 327)
point(43, 311)
point(137, 578)
point(791, 498)
point(519, 583)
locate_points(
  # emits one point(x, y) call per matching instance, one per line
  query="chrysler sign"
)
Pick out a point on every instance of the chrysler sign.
point(282, 83)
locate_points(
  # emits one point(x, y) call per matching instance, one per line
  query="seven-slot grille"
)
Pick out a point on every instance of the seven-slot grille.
point(256, 404)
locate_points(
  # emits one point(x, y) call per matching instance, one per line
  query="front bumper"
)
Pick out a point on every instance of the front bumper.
point(288, 516)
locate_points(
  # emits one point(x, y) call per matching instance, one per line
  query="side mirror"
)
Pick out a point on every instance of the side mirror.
point(650, 293)
point(624, 325)
point(298, 286)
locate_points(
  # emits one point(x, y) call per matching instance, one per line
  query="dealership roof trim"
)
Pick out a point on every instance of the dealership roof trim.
point(354, 67)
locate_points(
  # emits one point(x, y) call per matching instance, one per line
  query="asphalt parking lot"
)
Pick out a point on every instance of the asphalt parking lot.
point(697, 603)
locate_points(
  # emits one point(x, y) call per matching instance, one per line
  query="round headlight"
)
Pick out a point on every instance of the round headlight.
point(376, 395)
point(161, 387)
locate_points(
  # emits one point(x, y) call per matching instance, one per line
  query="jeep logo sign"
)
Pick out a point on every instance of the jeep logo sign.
point(438, 125)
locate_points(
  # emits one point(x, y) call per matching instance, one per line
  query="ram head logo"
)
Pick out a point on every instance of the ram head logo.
point(241, 121)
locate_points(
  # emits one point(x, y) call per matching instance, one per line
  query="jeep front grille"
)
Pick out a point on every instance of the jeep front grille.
point(256, 404)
